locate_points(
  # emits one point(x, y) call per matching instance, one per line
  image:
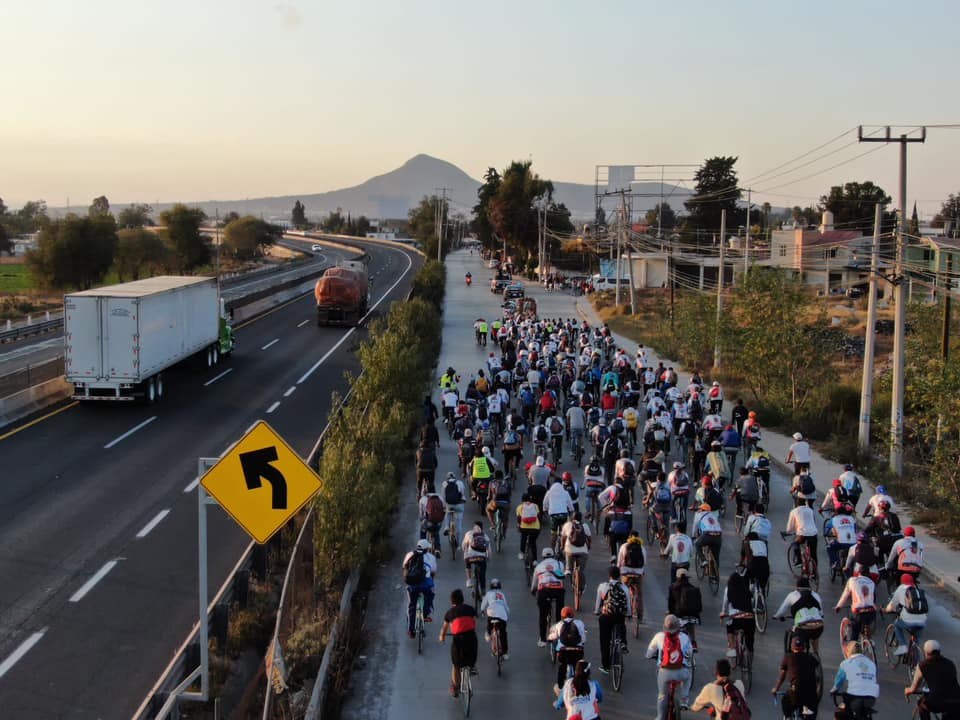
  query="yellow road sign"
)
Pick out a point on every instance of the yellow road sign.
point(261, 482)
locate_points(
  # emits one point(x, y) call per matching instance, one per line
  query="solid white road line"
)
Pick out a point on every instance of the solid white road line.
point(89, 584)
point(212, 380)
point(24, 648)
point(304, 322)
point(269, 344)
point(349, 332)
point(129, 432)
point(273, 407)
point(158, 518)
point(290, 391)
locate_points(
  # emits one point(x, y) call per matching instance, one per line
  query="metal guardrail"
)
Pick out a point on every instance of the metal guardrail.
point(27, 330)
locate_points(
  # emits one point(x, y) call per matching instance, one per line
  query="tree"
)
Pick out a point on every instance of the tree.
point(949, 211)
point(135, 216)
point(512, 211)
point(30, 218)
point(669, 217)
point(249, 236)
point(229, 218)
point(6, 244)
point(191, 248)
point(422, 224)
point(805, 216)
point(74, 252)
point(139, 252)
point(298, 218)
point(482, 226)
point(717, 190)
point(853, 205)
point(99, 206)
point(333, 223)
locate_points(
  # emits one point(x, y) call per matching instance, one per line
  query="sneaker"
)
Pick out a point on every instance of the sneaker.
point(566, 573)
point(684, 706)
point(446, 532)
point(453, 691)
point(469, 583)
point(506, 657)
point(901, 650)
point(731, 653)
point(605, 671)
point(520, 556)
point(541, 643)
point(613, 559)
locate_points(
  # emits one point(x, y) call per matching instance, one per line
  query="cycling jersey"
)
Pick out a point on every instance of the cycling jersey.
point(679, 549)
point(860, 592)
point(845, 529)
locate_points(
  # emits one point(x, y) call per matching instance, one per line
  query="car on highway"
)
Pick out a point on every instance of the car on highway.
point(514, 291)
point(316, 248)
point(499, 284)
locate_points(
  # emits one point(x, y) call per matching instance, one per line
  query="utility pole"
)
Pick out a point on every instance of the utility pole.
point(899, 295)
point(866, 387)
point(716, 334)
point(746, 246)
point(620, 224)
point(439, 220)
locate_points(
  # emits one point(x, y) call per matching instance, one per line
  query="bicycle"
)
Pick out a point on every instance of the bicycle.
point(475, 575)
point(796, 714)
point(529, 559)
point(593, 511)
point(499, 529)
point(452, 533)
point(787, 638)
point(807, 566)
point(576, 444)
point(680, 508)
point(864, 642)
point(744, 658)
point(633, 584)
point(910, 659)
point(673, 707)
point(418, 624)
point(579, 582)
point(707, 566)
point(760, 616)
point(864, 713)
point(466, 689)
point(916, 708)
point(616, 658)
point(496, 642)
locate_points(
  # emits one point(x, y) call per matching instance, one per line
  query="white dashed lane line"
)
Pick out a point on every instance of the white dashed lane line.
point(273, 407)
point(91, 583)
point(129, 432)
point(290, 391)
point(22, 650)
point(157, 519)
point(304, 322)
point(271, 343)
point(212, 380)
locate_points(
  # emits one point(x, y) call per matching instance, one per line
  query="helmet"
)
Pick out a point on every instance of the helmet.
point(468, 433)
point(677, 465)
point(495, 584)
point(716, 444)
point(486, 451)
point(567, 612)
point(907, 579)
point(716, 384)
point(752, 414)
point(423, 545)
point(567, 476)
point(547, 553)
point(836, 482)
point(908, 531)
point(848, 466)
point(861, 537)
point(706, 481)
point(881, 490)
point(603, 420)
point(798, 436)
point(539, 461)
point(931, 646)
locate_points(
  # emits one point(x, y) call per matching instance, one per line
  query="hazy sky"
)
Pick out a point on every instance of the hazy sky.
point(200, 100)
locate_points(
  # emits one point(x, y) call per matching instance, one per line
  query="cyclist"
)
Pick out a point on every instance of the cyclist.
point(906, 555)
point(494, 606)
point(737, 608)
point(759, 523)
point(593, 482)
point(576, 426)
point(432, 511)
point(580, 696)
point(460, 622)
point(730, 440)
point(466, 451)
point(557, 428)
point(803, 489)
point(546, 584)
point(577, 541)
point(454, 495)
point(679, 482)
point(540, 473)
point(746, 492)
point(863, 557)
point(715, 395)
point(528, 523)
point(449, 399)
point(708, 494)
point(481, 470)
point(759, 464)
point(801, 668)
point(799, 454)
point(558, 506)
point(570, 635)
point(476, 552)
point(449, 379)
point(803, 523)
point(910, 605)
point(679, 549)
point(674, 651)
point(625, 471)
point(717, 465)
point(856, 680)
point(835, 497)
point(717, 696)
point(613, 607)
point(685, 601)
point(660, 501)
point(840, 532)
point(707, 533)
point(936, 680)
point(754, 555)
point(879, 496)
point(851, 482)
point(631, 559)
point(617, 523)
point(426, 459)
point(631, 419)
point(419, 568)
point(498, 498)
point(806, 609)
point(572, 488)
point(861, 594)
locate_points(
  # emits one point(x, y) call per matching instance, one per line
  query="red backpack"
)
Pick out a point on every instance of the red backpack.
point(671, 657)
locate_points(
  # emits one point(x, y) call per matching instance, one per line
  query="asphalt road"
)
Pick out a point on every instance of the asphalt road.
point(398, 684)
point(98, 538)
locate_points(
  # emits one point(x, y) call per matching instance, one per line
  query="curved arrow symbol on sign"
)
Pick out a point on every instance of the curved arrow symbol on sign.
point(256, 465)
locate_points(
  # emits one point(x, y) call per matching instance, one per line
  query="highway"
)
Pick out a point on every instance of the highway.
point(398, 684)
point(98, 537)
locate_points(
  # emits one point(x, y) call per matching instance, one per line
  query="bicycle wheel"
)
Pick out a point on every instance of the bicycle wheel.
point(466, 690)
point(913, 658)
point(869, 649)
point(889, 645)
point(844, 631)
point(418, 625)
point(651, 529)
point(577, 586)
point(745, 661)
point(497, 648)
point(616, 663)
point(477, 595)
point(738, 523)
point(498, 532)
point(713, 571)
point(794, 561)
point(701, 567)
point(759, 610)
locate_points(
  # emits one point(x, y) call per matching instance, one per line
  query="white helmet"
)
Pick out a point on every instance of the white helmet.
point(547, 552)
point(423, 545)
point(540, 461)
point(798, 436)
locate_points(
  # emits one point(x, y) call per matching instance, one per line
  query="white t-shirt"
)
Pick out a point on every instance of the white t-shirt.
point(846, 529)
point(568, 547)
point(494, 604)
point(429, 562)
point(801, 451)
point(861, 592)
point(802, 521)
point(623, 559)
point(861, 676)
point(679, 548)
point(468, 552)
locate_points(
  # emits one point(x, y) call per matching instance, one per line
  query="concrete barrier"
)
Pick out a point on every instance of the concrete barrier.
point(20, 404)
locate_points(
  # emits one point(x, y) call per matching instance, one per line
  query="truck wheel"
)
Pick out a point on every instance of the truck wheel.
point(216, 354)
point(159, 387)
point(151, 395)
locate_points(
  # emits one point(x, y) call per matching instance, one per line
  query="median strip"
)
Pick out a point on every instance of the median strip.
point(91, 583)
point(129, 432)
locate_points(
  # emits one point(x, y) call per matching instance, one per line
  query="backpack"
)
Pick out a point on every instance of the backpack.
point(467, 451)
point(415, 571)
point(671, 656)
point(526, 397)
point(738, 594)
point(807, 487)
point(915, 601)
point(763, 462)
point(542, 434)
point(555, 426)
point(696, 410)
point(681, 480)
point(569, 635)
point(529, 514)
point(690, 602)
point(578, 536)
point(734, 705)
point(893, 523)
point(434, 509)
point(451, 493)
point(864, 554)
point(664, 495)
point(615, 602)
point(603, 434)
point(713, 498)
point(482, 385)
point(511, 440)
point(857, 487)
point(840, 494)
point(635, 555)
point(478, 542)
point(426, 458)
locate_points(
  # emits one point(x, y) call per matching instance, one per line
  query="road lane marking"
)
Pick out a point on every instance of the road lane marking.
point(192, 486)
point(290, 390)
point(350, 332)
point(89, 584)
point(158, 518)
point(273, 407)
point(304, 322)
point(271, 343)
point(39, 420)
point(212, 380)
point(17, 654)
point(129, 432)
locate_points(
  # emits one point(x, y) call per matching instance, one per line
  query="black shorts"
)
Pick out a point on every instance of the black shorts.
point(463, 650)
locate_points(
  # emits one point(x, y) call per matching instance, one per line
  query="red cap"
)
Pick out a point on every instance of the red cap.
point(908, 531)
point(836, 482)
point(707, 481)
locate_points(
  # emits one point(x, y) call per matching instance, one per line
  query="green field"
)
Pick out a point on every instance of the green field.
point(14, 278)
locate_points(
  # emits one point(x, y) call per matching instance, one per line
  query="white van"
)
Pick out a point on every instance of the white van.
point(601, 282)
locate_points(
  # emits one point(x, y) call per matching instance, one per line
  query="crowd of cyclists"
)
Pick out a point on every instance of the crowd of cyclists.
point(563, 436)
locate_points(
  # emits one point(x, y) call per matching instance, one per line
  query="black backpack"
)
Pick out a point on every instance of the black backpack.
point(569, 635)
point(690, 601)
point(415, 571)
point(635, 555)
point(864, 554)
point(807, 486)
point(451, 493)
point(893, 523)
point(542, 434)
point(915, 601)
point(467, 451)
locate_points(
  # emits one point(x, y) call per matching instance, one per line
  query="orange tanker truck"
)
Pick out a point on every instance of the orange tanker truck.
point(342, 294)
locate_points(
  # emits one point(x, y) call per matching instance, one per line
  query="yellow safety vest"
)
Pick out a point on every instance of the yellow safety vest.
point(481, 470)
point(483, 327)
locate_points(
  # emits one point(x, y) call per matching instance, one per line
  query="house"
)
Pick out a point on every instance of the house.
point(825, 257)
point(934, 258)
